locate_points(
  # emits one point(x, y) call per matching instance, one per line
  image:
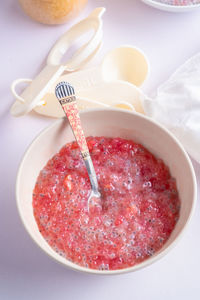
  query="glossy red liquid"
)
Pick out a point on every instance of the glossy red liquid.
point(140, 204)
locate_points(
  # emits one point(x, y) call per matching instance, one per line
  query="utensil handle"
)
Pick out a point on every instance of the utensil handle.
point(87, 51)
point(70, 108)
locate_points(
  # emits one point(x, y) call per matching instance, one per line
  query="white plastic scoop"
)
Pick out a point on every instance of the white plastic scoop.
point(38, 87)
point(113, 83)
point(125, 63)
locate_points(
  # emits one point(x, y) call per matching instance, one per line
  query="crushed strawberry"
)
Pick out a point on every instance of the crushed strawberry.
point(133, 219)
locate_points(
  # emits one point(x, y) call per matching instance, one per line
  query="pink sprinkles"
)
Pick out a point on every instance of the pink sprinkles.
point(179, 2)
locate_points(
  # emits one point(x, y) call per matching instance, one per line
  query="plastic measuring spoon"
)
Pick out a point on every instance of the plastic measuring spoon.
point(113, 83)
point(125, 63)
point(38, 87)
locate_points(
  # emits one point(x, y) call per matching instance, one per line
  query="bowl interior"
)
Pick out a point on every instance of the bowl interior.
point(111, 123)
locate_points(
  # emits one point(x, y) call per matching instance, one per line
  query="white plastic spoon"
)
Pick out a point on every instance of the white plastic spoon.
point(113, 83)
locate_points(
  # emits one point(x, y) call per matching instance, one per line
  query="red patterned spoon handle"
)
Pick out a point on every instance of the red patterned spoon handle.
point(66, 96)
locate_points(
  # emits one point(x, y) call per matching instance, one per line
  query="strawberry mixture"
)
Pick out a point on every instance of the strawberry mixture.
point(138, 209)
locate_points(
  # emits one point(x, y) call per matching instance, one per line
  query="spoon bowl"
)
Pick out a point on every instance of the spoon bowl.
point(125, 63)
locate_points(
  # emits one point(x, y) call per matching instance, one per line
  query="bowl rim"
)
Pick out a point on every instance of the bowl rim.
point(146, 262)
point(170, 7)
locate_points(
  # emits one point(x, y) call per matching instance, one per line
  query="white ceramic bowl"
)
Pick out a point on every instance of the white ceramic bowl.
point(171, 8)
point(112, 123)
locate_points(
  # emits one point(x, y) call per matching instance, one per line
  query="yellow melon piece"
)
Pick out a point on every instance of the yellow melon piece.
point(52, 11)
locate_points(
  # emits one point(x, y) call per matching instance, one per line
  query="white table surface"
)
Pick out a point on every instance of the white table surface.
point(25, 271)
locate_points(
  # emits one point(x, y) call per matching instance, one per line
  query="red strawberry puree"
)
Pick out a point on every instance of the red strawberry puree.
point(140, 204)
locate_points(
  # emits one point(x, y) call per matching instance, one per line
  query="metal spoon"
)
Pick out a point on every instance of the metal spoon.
point(66, 96)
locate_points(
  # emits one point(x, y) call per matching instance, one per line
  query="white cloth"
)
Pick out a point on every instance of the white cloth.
point(177, 105)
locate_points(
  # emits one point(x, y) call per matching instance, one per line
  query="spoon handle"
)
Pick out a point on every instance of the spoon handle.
point(70, 108)
point(66, 96)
